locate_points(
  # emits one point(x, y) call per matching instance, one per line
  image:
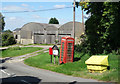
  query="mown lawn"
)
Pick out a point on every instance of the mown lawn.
point(17, 51)
point(77, 68)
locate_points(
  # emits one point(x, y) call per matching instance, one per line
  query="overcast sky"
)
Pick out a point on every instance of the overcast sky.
point(17, 20)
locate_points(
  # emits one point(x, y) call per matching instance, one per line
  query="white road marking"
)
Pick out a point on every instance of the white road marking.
point(25, 81)
point(5, 72)
point(12, 75)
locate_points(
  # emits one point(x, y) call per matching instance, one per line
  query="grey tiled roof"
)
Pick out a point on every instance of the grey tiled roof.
point(44, 24)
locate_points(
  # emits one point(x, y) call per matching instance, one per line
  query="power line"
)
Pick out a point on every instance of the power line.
point(38, 10)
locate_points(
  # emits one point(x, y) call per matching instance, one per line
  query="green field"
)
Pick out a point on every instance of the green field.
point(77, 68)
point(17, 51)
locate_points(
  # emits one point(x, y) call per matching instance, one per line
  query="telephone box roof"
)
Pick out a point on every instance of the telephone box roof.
point(67, 37)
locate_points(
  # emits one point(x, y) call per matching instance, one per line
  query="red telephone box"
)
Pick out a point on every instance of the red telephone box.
point(67, 50)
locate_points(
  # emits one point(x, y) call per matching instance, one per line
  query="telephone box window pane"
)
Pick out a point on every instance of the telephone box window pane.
point(62, 53)
point(69, 50)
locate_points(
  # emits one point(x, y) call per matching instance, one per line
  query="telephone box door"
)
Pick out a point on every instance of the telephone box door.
point(70, 50)
point(62, 51)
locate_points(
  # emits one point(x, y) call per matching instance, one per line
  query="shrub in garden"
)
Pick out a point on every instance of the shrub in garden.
point(8, 39)
point(14, 48)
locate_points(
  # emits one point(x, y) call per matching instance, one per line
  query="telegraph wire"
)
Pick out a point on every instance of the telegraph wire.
point(38, 10)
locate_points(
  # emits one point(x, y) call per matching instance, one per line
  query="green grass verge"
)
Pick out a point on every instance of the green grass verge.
point(15, 51)
point(77, 68)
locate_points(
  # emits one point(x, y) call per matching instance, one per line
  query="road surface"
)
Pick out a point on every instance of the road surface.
point(19, 72)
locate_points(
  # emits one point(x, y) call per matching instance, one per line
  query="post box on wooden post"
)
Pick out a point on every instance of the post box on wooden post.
point(55, 53)
point(67, 50)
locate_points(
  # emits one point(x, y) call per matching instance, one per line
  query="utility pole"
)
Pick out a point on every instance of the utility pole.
point(74, 19)
point(82, 17)
point(1, 26)
point(83, 20)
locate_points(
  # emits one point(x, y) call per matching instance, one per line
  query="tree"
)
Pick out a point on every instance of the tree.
point(102, 28)
point(8, 31)
point(53, 21)
point(2, 23)
point(8, 38)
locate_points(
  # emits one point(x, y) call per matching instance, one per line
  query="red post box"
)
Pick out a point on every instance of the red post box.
point(67, 50)
point(50, 51)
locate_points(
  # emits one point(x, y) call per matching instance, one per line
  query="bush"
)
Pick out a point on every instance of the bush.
point(85, 47)
point(56, 41)
point(14, 48)
point(115, 52)
point(8, 39)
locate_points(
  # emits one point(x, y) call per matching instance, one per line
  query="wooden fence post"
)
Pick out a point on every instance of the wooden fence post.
point(51, 59)
point(54, 59)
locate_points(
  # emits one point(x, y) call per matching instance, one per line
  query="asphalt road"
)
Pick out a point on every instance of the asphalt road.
point(17, 72)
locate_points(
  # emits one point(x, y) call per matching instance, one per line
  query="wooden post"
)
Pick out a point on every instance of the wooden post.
point(51, 59)
point(73, 19)
point(58, 60)
point(54, 59)
point(82, 17)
